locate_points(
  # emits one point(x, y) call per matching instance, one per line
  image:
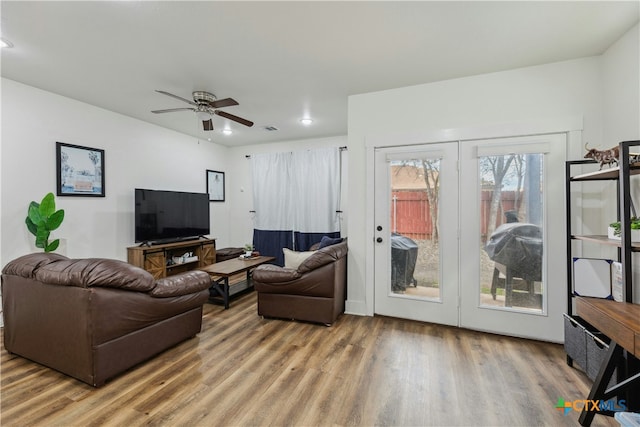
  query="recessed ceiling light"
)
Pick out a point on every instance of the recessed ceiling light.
point(227, 131)
point(306, 121)
point(5, 43)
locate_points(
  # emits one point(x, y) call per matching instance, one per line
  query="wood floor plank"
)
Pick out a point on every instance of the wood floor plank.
point(244, 370)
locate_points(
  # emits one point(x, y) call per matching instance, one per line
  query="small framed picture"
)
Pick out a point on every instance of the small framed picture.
point(215, 186)
point(79, 170)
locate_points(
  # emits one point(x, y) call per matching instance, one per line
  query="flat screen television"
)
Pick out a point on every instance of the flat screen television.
point(165, 216)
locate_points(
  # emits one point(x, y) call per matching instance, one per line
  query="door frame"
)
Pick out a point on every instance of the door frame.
point(571, 125)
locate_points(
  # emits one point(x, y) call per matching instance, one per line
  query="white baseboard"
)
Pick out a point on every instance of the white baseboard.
point(358, 308)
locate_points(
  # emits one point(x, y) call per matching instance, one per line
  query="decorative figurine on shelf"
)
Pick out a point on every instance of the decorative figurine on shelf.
point(605, 157)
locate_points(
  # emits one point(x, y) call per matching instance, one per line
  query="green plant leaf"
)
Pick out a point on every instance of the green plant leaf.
point(34, 213)
point(52, 246)
point(33, 229)
point(47, 206)
point(55, 220)
point(41, 219)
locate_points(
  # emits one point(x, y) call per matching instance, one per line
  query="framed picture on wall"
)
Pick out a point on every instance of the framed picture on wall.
point(79, 170)
point(215, 186)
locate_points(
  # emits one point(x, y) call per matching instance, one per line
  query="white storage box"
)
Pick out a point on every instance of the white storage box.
point(617, 285)
point(592, 277)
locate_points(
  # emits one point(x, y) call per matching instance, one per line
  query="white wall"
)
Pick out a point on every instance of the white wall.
point(621, 88)
point(621, 112)
point(529, 95)
point(137, 154)
point(240, 191)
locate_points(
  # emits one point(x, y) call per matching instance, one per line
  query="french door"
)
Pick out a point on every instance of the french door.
point(512, 222)
point(464, 237)
point(416, 243)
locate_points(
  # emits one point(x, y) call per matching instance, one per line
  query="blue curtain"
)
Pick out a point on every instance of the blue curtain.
point(271, 242)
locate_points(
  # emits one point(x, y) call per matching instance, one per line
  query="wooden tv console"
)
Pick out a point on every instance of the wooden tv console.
point(158, 259)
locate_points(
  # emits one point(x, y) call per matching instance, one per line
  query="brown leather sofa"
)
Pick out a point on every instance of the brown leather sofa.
point(313, 292)
point(95, 318)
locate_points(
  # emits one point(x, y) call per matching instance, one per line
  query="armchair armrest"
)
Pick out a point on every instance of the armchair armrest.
point(268, 273)
point(181, 284)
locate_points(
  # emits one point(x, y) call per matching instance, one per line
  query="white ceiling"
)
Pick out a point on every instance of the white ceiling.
point(284, 60)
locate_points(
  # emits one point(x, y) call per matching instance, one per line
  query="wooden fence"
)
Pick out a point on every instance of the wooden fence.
point(410, 214)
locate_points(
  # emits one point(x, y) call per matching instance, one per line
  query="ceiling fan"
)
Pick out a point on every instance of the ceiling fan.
point(205, 105)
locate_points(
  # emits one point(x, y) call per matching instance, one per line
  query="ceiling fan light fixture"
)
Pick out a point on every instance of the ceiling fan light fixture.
point(306, 121)
point(205, 105)
point(203, 115)
point(227, 131)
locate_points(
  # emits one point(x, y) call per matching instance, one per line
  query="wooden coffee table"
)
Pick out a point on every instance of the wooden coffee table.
point(221, 271)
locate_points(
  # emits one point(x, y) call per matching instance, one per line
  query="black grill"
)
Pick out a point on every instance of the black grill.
point(404, 254)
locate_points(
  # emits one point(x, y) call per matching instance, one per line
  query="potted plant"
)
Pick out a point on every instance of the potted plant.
point(614, 232)
point(41, 219)
point(248, 250)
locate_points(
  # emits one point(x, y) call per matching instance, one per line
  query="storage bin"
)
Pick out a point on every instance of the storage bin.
point(575, 339)
point(597, 348)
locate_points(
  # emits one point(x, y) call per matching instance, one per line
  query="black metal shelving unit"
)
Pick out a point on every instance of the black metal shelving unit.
point(622, 176)
point(579, 335)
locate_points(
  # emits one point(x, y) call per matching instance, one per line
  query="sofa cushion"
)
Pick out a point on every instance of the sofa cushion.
point(107, 273)
point(293, 259)
point(183, 284)
point(26, 265)
point(328, 241)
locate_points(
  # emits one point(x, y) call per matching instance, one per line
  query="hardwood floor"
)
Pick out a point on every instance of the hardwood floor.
point(244, 370)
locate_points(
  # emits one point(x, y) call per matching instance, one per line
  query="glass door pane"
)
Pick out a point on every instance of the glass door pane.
point(511, 231)
point(414, 225)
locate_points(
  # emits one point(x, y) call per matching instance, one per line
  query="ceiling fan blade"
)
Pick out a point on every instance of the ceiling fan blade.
point(171, 110)
point(234, 118)
point(177, 97)
point(219, 103)
point(207, 124)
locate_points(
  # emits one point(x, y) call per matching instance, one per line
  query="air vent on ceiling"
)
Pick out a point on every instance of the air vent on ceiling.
point(271, 128)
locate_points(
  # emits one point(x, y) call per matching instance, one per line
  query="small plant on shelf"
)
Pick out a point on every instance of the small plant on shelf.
point(635, 225)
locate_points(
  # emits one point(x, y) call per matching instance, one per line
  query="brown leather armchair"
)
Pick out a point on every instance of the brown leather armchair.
point(313, 292)
point(95, 318)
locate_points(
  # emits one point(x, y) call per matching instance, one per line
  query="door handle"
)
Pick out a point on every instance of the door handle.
point(379, 240)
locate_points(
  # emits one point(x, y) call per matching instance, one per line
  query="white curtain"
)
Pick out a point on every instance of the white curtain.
point(295, 194)
point(271, 176)
point(315, 190)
